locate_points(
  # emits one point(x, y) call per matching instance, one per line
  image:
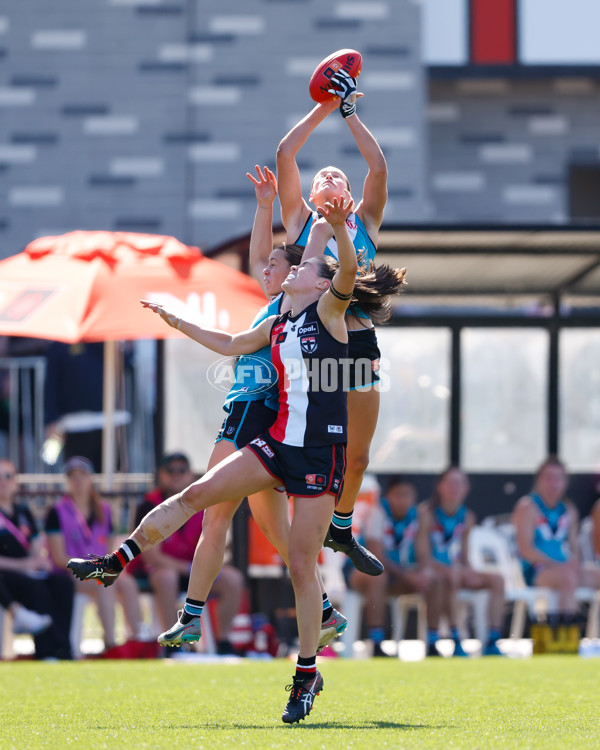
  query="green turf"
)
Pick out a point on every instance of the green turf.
point(543, 702)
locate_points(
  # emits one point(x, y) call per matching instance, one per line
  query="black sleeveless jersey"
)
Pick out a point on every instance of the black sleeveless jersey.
point(313, 370)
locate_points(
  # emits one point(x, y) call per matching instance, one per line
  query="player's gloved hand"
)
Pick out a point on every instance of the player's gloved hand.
point(346, 90)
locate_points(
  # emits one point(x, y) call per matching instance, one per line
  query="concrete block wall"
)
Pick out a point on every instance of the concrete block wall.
point(144, 115)
point(500, 150)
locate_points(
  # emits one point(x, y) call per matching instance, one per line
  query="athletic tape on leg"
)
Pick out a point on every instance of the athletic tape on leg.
point(163, 521)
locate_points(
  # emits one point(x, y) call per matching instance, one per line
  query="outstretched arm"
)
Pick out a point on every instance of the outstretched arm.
point(370, 209)
point(261, 239)
point(294, 209)
point(228, 344)
point(334, 302)
point(374, 197)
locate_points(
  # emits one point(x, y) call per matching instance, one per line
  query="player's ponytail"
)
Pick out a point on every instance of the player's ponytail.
point(374, 287)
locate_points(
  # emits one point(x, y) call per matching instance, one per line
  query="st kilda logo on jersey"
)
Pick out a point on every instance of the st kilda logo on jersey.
point(308, 344)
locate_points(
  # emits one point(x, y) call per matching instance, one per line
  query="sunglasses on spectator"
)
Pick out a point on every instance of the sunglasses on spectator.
point(7, 476)
point(176, 469)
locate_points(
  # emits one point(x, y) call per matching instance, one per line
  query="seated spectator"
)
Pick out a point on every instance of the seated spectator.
point(40, 602)
point(167, 565)
point(449, 523)
point(394, 534)
point(547, 526)
point(80, 524)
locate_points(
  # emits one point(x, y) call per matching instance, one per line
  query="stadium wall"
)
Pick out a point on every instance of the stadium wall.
point(144, 115)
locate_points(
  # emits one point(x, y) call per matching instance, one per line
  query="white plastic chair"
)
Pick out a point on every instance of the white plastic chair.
point(489, 552)
point(582, 594)
point(478, 602)
point(80, 602)
point(207, 643)
point(353, 603)
point(6, 635)
point(352, 609)
point(400, 607)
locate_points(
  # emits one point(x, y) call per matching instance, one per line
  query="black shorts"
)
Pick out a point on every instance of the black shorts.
point(245, 421)
point(305, 472)
point(364, 355)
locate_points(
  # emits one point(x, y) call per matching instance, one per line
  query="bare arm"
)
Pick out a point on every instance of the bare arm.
point(36, 560)
point(58, 550)
point(294, 209)
point(331, 308)
point(228, 344)
point(261, 239)
point(371, 207)
point(574, 532)
point(14, 564)
point(464, 548)
point(422, 544)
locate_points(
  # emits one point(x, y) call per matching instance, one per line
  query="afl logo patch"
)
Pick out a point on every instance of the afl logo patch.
point(308, 344)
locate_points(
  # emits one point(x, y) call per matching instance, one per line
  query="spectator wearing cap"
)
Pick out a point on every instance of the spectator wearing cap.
point(166, 566)
point(40, 602)
point(80, 524)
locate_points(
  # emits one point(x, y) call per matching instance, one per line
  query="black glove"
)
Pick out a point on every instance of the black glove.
point(346, 90)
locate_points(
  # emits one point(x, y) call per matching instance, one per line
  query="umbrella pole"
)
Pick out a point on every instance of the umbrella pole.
point(109, 397)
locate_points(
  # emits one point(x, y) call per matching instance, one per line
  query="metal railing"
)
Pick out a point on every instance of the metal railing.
point(22, 380)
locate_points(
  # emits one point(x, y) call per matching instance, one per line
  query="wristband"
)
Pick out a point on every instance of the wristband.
point(348, 108)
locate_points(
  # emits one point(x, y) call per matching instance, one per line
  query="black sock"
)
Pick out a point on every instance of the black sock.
point(192, 608)
point(340, 527)
point(125, 554)
point(306, 667)
point(327, 609)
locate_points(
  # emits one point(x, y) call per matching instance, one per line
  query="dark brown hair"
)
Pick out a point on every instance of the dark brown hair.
point(552, 460)
point(97, 505)
point(373, 288)
point(293, 253)
point(435, 496)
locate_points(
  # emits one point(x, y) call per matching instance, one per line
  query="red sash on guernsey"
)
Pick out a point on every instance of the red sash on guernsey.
point(7, 524)
point(81, 538)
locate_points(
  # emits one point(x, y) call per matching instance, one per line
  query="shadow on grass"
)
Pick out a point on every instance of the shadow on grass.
point(322, 725)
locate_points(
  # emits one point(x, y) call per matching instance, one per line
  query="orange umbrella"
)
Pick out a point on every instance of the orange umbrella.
point(86, 286)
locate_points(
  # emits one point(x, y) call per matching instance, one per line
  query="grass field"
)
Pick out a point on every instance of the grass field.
point(543, 702)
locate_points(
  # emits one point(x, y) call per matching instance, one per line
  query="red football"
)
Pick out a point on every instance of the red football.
point(347, 59)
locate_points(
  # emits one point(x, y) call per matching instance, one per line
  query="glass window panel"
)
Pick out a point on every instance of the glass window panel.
point(579, 398)
point(413, 427)
point(503, 398)
point(193, 405)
